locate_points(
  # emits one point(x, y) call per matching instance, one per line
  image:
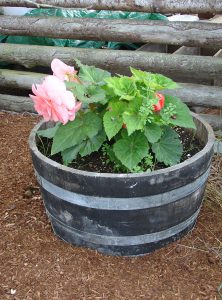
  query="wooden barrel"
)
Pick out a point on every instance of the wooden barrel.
point(124, 214)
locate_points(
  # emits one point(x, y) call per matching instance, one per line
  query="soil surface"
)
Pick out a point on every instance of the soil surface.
point(35, 264)
point(99, 161)
point(96, 160)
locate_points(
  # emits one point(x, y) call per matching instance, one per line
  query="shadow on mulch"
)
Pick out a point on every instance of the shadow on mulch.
point(34, 264)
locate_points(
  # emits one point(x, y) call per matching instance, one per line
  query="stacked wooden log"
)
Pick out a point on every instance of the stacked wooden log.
point(197, 73)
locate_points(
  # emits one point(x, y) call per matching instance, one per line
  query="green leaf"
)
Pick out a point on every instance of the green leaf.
point(123, 112)
point(133, 122)
point(85, 148)
point(131, 150)
point(140, 75)
point(96, 94)
point(156, 82)
point(124, 133)
point(122, 86)
point(91, 74)
point(68, 136)
point(153, 132)
point(118, 107)
point(73, 133)
point(93, 144)
point(87, 93)
point(50, 132)
point(79, 90)
point(70, 154)
point(168, 149)
point(112, 123)
point(183, 117)
point(135, 105)
point(161, 82)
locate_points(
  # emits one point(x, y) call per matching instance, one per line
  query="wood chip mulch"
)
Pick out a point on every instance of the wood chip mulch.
point(34, 264)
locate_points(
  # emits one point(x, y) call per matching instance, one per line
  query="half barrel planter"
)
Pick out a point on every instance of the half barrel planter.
point(124, 214)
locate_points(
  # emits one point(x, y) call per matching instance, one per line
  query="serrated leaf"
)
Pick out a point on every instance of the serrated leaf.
point(153, 132)
point(183, 117)
point(168, 149)
point(87, 93)
point(131, 150)
point(93, 144)
point(50, 132)
point(133, 122)
point(79, 90)
point(162, 82)
point(112, 123)
point(154, 81)
point(135, 105)
point(91, 73)
point(122, 86)
point(96, 94)
point(118, 107)
point(92, 124)
point(68, 136)
point(73, 133)
point(139, 74)
point(70, 154)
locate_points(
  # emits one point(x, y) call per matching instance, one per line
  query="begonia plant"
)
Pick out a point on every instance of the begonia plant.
point(126, 117)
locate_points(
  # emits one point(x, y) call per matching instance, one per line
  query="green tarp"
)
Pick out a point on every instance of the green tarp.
point(81, 14)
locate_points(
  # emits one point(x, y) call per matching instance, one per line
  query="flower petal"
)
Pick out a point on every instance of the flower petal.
point(60, 69)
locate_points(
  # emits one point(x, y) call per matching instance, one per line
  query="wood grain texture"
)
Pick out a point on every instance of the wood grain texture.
point(191, 94)
point(116, 61)
point(19, 79)
point(188, 51)
point(159, 32)
point(216, 81)
point(164, 6)
point(214, 120)
point(16, 103)
point(198, 95)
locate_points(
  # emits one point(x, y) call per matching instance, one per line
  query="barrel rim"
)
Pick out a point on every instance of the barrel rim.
point(207, 148)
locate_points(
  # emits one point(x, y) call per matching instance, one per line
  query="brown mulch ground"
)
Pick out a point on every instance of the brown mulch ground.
point(34, 264)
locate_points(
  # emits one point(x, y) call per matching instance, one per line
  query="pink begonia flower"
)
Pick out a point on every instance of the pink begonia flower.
point(53, 101)
point(63, 71)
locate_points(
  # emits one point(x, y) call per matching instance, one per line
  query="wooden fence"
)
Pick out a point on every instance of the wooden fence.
point(198, 73)
point(163, 6)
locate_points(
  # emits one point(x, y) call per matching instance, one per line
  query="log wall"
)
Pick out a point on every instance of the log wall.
point(117, 61)
point(185, 65)
point(175, 33)
point(163, 6)
point(191, 94)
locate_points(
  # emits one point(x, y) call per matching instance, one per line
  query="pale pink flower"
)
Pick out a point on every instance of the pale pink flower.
point(63, 71)
point(53, 101)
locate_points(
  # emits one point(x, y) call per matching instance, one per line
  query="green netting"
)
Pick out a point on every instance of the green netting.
point(68, 13)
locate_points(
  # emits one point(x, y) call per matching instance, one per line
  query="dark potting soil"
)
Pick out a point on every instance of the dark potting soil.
point(97, 161)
